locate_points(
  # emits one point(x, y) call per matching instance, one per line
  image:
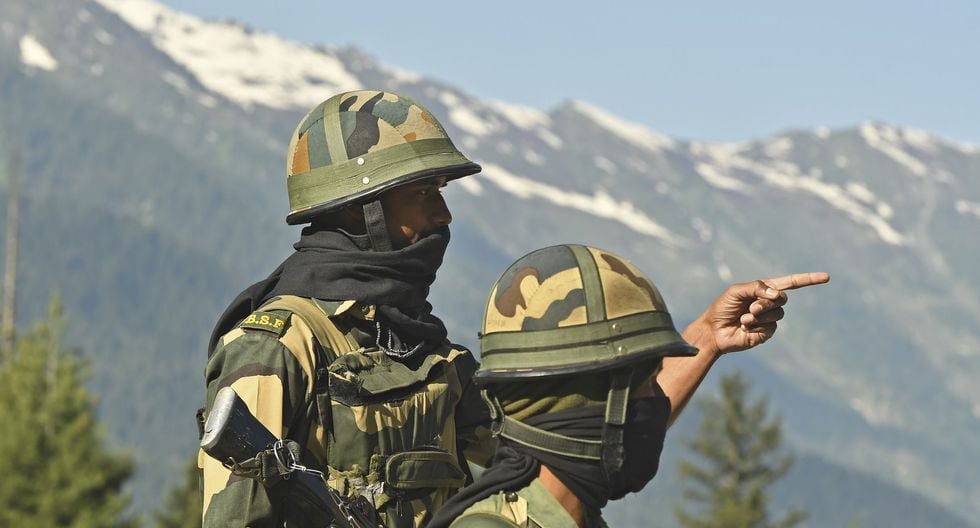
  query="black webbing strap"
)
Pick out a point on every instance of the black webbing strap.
point(613, 451)
point(377, 229)
point(530, 436)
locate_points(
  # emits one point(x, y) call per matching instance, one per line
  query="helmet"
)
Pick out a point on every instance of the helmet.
point(573, 309)
point(355, 145)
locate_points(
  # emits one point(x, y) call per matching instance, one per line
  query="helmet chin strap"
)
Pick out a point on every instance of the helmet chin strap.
point(377, 228)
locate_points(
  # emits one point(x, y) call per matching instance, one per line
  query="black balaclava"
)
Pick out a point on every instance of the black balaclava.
point(334, 265)
point(515, 465)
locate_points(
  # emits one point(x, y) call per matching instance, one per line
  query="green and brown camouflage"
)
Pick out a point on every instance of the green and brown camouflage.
point(355, 145)
point(570, 309)
point(532, 506)
point(394, 428)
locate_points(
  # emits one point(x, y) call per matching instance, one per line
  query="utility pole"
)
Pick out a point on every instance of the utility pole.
point(10, 267)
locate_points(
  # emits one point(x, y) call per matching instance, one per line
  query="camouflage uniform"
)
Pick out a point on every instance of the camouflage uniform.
point(530, 507)
point(388, 429)
point(271, 362)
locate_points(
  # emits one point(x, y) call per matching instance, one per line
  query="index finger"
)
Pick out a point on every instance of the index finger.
point(797, 280)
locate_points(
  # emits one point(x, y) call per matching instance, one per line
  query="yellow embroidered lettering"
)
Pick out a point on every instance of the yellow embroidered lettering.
point(264, 320)
point(279, 322)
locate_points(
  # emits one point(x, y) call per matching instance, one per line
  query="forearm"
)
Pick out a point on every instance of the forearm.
point(681, 376)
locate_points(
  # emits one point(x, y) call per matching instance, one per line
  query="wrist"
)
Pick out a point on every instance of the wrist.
point(700, 334)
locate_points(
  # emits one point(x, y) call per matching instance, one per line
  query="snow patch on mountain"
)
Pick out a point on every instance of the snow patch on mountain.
point(465, 117)
point(634, 133)
point(719, 179)
point(704, 230)
point(104, 37)
point(469, 121)
point(602, 163)
point(550, 138)
point(247, 66)
point(859, 204)
point(600, 204)
point(470, 185)
point(470, 142)
point(892, 142)
point(177, 81)
point(401, 75)
point(778, 148)
point(533, 157)
point(33, 54)
point(860, 191)
point(968, 208)
point(888, 141)
point(877, 413)
point(523, 117)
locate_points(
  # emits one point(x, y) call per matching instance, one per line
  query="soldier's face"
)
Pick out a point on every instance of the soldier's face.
point(414, 210)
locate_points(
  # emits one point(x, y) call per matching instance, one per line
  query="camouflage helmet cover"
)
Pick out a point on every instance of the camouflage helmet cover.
point(355, 145)
point(571, 309)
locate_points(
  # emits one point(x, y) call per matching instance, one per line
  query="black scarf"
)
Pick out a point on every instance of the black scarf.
point(515, 465)
point(333, 265)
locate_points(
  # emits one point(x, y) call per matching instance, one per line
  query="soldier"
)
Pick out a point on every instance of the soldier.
point(574, 343)
point(337, 349)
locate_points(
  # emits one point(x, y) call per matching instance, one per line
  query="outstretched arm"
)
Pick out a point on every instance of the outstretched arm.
point(742, 317)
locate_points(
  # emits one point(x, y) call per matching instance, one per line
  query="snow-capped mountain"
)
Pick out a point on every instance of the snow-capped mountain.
point(156, 140)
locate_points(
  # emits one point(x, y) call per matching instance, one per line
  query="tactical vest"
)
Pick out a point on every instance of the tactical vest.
point(378, 427)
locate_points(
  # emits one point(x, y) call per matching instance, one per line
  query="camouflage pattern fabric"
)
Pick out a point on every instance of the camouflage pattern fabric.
point(521, 401)
point(530, 507)
point(570, 308)
point(545, 290)
point(394, 430)
point(370, 120)
point(356, 144)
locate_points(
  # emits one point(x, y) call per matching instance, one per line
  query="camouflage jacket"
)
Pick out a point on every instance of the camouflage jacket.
point(530, 507)
point(386, 429)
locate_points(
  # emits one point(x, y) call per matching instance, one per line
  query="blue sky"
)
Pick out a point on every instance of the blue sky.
point(714, 71)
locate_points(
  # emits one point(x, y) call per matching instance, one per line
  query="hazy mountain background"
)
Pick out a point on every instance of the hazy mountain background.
point(152, 147)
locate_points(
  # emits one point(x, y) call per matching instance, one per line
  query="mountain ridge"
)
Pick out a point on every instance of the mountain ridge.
point(203, 172)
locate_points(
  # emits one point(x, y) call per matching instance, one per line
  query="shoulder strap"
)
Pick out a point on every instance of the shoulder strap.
point(332, 343)
point(325, 332)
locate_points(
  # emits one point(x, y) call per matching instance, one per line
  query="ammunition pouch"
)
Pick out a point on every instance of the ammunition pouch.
point(421, 472)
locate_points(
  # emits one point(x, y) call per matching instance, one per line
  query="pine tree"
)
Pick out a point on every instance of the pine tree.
point(184, 503)
point(56, 470)
point(737, 460)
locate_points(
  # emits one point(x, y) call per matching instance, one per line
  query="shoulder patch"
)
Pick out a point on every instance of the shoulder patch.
point(272, 321)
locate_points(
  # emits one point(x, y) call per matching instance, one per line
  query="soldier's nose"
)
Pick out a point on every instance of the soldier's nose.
point(441, 215)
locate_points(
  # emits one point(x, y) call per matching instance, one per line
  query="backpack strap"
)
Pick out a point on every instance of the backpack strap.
point(331, 343)
point(325, 332)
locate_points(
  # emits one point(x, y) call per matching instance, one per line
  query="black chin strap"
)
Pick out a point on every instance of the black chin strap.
point(377, 228)
point(613, 451)
point(609, 451)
